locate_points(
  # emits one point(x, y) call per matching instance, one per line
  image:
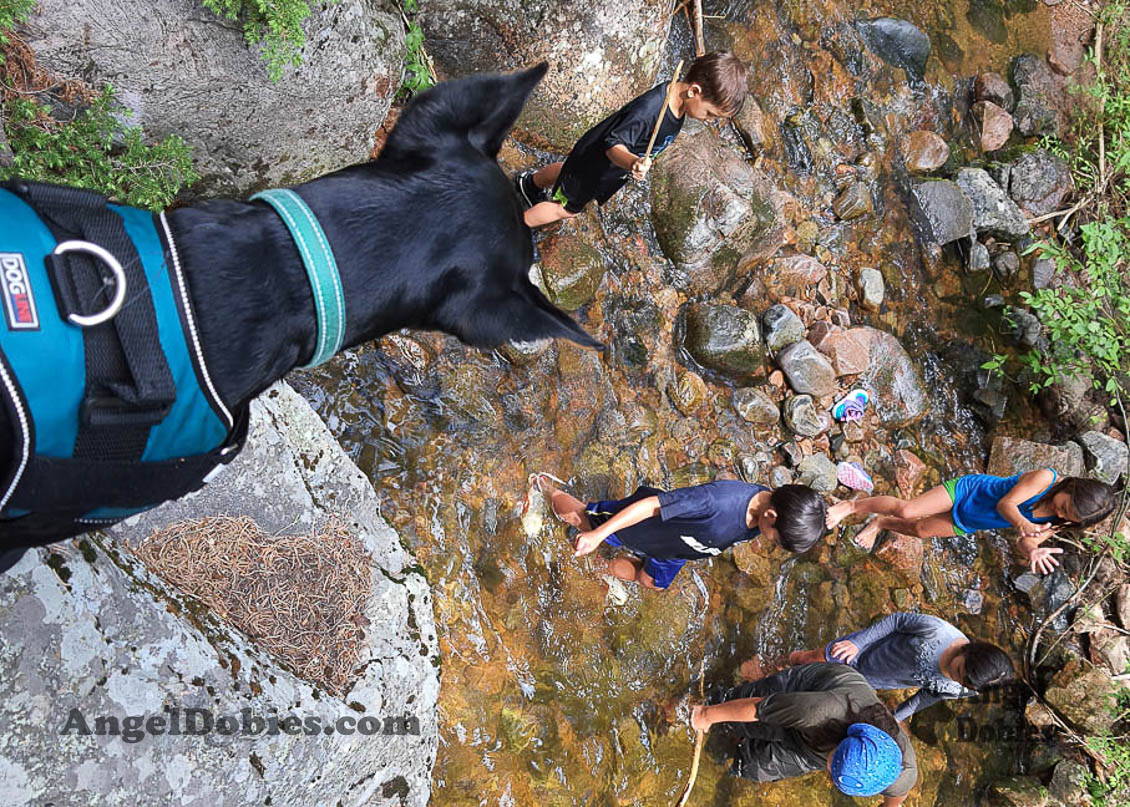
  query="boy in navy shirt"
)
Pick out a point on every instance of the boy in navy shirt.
point(607, 154)
point(665, 529)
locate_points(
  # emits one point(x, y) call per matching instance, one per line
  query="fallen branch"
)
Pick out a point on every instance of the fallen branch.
point(699, 738)
point(699, 39)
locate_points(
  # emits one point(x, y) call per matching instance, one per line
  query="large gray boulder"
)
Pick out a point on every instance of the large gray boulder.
point(940, 212)
point(993, 212)
point(183, 70)
point(601, 55)
point(892, 380)
point(712, 211)
point(1012, 455)
point(95, 631)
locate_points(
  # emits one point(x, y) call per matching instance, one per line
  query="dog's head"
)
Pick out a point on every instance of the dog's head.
point(477, 251)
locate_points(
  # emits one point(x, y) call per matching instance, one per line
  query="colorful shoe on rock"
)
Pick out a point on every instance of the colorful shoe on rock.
point(530, 193)
point(852, 475)
point(851, 406)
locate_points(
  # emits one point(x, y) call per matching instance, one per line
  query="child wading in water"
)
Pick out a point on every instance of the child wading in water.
point(665, 529)
point(606, 155)
point(1036, 503)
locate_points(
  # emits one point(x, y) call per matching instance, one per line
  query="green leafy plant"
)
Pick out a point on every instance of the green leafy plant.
point(273, 26)
point(1113, 788)
point(418, 72)
point(11, 12)
point(96, 150)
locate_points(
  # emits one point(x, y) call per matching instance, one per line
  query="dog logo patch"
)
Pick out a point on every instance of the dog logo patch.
point(19, 301)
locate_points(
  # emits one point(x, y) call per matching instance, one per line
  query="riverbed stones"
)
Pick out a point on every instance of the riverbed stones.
point(755, 406)
point(994, 213)
point(993, 87)
point(1006, 265)
point(1013, 455)
point(1083, 696)
point(1039, 181)
point(849, 351)
point(779, 476)
point(1105, 457)
point(726, 339)
point(940, 212)
point(571, 267)
point(1043, 271)
point(802, 417)
point(781, 327)
point(897, 42)
point(924, 151)
point(792, 275)
point(994, 124)
point(853, 202)
point(688, 392)
point(187, 71)
point(893, 382)
point(1068, 785)
point(712, 211)
point(872, 287)
point(1037, 109)
point(818, 472)
point(909, 471)
point(601, 55)
point(807, 370)
point(113, 639)
point(1017, 791)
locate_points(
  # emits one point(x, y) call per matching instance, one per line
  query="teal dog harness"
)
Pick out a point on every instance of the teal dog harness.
point(102, 375)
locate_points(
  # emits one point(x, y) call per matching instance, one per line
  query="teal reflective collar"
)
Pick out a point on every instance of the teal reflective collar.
point(321, 269)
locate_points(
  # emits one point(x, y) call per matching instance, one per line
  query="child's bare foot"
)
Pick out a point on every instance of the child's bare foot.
point(568, 509)
point(751, 670)
point(625, 568)
point(865, 538)
point(838, 512)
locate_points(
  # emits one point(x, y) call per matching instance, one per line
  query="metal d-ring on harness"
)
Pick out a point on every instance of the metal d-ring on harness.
point(119, 297)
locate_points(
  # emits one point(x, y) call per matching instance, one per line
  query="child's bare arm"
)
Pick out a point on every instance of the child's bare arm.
point(633, 514)
point(1027, 486)
point(621, 157)
point(742, 710)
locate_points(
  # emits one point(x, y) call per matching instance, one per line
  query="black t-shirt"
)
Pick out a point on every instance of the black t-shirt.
point(589, 174)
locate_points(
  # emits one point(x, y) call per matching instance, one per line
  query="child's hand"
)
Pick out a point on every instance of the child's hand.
point(699, 720)
point(586, 542)
point(1042, 560)
point(640, 168)
point(1029, 530)
point(844, 651)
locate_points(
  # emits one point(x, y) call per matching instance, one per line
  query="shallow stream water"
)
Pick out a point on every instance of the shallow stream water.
point(561, 690)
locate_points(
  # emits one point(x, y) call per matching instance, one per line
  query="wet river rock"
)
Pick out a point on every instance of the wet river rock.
point(893, 381)
point(1012, 455)
point(782, 327)
point(1039, 181)
point(1038, 97)
point(898, 43)
point(802, 417)
point(711, 210)
point(1105, 456)
point(994, 213)
point(601, 55)
point(924, 151)
point(807, 370)
point(726, 339)
point(994, 123)
point(755, 406)
point(571, 266)
point(941, 213)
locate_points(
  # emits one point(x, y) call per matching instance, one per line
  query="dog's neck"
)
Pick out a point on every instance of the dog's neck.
point(250, 294)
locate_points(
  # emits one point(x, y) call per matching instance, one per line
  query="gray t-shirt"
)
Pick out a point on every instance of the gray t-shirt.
point(903, 651)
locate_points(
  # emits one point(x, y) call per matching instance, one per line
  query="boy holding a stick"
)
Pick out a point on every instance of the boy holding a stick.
point(606, 155)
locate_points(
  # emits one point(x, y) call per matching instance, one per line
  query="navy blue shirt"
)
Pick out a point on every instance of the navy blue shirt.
point(696, 522)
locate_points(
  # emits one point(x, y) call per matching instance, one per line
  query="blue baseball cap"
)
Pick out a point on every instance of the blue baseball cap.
point(866, 762)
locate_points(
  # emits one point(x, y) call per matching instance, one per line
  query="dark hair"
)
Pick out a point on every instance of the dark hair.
point(832, 732)
point(1091, 500)
point(986, 665)
point(723, 79)
point(801, 514)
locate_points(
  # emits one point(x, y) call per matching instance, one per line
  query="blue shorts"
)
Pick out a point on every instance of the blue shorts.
point(662, 570)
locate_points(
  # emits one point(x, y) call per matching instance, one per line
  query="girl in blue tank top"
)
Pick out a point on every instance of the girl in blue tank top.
point(1035, 503)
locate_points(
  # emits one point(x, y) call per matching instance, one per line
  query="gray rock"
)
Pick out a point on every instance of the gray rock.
point(802, 417)
point(818, 472)
point(1006, 265)
point(725, 338)
point(1043, 271)
point(1105, 457)
point(112, 639)
point(1046, 593)
point(940, 212)
point(893, 382)
point(1026, 328)
point(993, 212)
point(993, 87)
point(1122, 605)
point(781, 327)
point(872, 286)
point(853, 202)
point(712, 210)
point(601, 56)
point(779, 475)
point(1083, 696)
point(1010, 455)
point(185, 71)
point(1039, 181)
point(755, 406)
point(522, 353)
point(898, 43)
point(1017, 791)
point(1037, 90)
point(979, 259)
point(1074, 404)
point(807, 370)
point(1068, 785)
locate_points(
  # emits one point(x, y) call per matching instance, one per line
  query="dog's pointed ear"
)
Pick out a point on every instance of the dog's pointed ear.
point(500, 112)
point(524, 315)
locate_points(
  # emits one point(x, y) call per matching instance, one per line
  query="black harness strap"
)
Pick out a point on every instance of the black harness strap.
point(129, 387)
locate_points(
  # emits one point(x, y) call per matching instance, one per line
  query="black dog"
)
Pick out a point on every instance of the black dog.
point(430, 235)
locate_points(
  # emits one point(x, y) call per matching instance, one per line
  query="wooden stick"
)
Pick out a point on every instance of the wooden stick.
point(699, 39)
point(699, 738)
point(663, 111)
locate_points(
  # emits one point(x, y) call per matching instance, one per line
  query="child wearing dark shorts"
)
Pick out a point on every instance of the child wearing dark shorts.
point(665, 529)
point(606, 155)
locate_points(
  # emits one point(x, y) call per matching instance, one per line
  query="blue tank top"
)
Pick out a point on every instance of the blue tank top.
point(976, 497)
